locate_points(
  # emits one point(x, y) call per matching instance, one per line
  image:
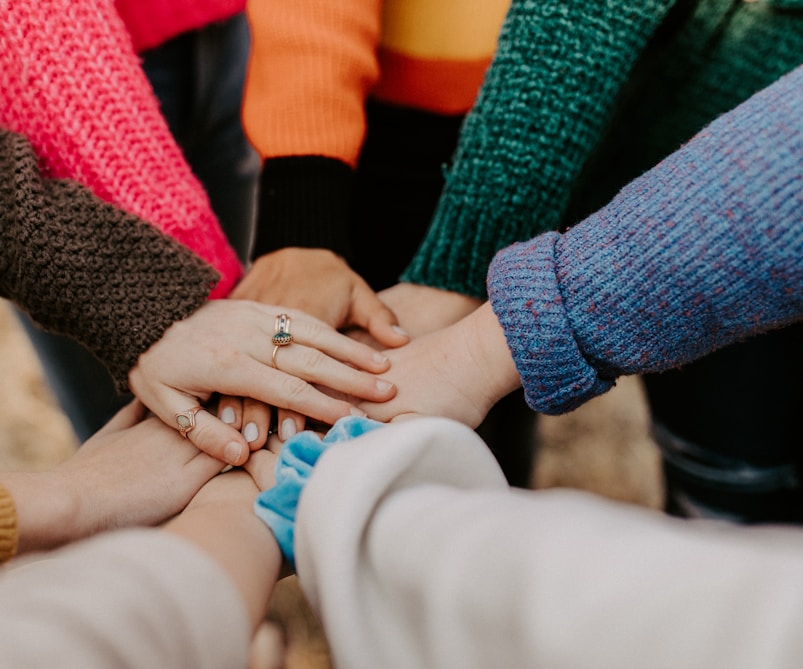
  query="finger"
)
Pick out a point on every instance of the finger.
point(372, 315)
point(230, 411)
point(256, 421)
point(313, 366)
point(260, 465)
point(288, 423)
point(131, 414)
point(205, 431)
point(316, 334)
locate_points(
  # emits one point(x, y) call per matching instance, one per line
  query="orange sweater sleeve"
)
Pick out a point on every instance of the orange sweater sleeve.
point(312, 66)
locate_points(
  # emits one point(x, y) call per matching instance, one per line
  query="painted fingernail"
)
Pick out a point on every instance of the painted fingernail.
point(383, 386)
point(380, 358)
point(251, 432)
point(400, 330)
point(227, 415)
point(232, 452)
point(358, 412)
point(288, 429)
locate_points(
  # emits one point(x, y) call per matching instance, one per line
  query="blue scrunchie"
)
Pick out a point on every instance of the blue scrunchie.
point(277, 505)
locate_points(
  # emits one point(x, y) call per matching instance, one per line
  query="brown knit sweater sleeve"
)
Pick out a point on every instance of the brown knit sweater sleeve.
point(83, 268)
point(8, 526)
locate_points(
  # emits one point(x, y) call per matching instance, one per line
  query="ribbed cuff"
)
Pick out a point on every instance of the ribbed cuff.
point(9, 533)
point(304, 201)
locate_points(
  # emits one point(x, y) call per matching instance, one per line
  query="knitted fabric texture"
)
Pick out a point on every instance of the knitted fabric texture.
point(312, 69)
point(277, 506)
point(8, 526)
point(703, 250)
point(71, 82)
point(562, 72)
point(86, 269)
point(152, 22)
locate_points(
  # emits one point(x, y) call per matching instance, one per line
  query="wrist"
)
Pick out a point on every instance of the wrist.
point(489, 350)
point(48, 513)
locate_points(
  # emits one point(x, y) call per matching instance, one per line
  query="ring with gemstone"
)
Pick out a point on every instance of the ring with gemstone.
point(186, 420)
point(282, 336)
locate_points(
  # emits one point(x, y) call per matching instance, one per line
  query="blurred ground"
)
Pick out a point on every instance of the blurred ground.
point(602, 447)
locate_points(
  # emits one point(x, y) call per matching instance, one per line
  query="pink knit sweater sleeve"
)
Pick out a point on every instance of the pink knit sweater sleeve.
point(71, 82)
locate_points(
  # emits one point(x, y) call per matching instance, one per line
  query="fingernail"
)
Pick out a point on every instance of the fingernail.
point(288, 429)
point(383, 386)
point(232, 452)
point(400, 330)
point(251, 432)
point(380, 358)
point(358, 412)
point(227, 415)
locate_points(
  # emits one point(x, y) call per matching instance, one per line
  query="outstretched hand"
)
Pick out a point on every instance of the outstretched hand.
point(225, 347)
point(320, 283)
point(458, 372)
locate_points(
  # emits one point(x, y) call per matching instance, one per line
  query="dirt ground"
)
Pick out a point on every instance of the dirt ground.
point(602, 447)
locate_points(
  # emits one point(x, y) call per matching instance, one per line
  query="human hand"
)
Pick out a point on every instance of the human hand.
point(458, 372)
point(133, 471)
point(423, 309)
point(226, 347)
point(320, 283)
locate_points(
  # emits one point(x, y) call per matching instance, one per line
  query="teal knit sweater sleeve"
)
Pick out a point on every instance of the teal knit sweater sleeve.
point(701, 251)
point(542, 108)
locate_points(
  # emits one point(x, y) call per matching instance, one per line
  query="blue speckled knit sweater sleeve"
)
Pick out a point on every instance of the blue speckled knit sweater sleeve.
point(703, 250)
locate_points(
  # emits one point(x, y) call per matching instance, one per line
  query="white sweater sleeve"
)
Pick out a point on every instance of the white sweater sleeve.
point(138, 598)
point(417, 554)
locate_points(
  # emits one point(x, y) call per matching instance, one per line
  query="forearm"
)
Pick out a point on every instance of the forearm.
point(541, 110)
point(83, 268)
point(135, 598)
point(309, 127)
point(74, 87)
point(46, 510)
point(701, 251)
point(430, 551)
point(237, 540)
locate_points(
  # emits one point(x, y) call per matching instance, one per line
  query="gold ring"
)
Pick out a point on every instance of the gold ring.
point(273, 357)
point(186, 420)
point(282, 330)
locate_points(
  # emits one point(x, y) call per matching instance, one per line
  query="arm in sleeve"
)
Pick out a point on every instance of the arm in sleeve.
point(312, 66)
point(83, 268)
point(71, 83)
point(703, 250)
point(543, 107)
point(415, 552)
point(128, 599)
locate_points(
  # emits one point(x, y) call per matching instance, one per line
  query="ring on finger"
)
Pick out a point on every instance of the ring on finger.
point(273, 356)
point(186, 420)
point(282, 336)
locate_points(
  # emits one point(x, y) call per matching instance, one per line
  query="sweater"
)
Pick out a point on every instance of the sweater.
point(582, 97)
point(151, 23)
point(83, 268)
point(429, 559)
point(71, 82)
point(8, 526)
point(701, 251)
point(312, 69)
point(131, 598)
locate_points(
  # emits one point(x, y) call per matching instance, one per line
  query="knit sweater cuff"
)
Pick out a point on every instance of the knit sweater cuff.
point(83, 268)
point(304, 201)
point(8, 526)
point(555, 374)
